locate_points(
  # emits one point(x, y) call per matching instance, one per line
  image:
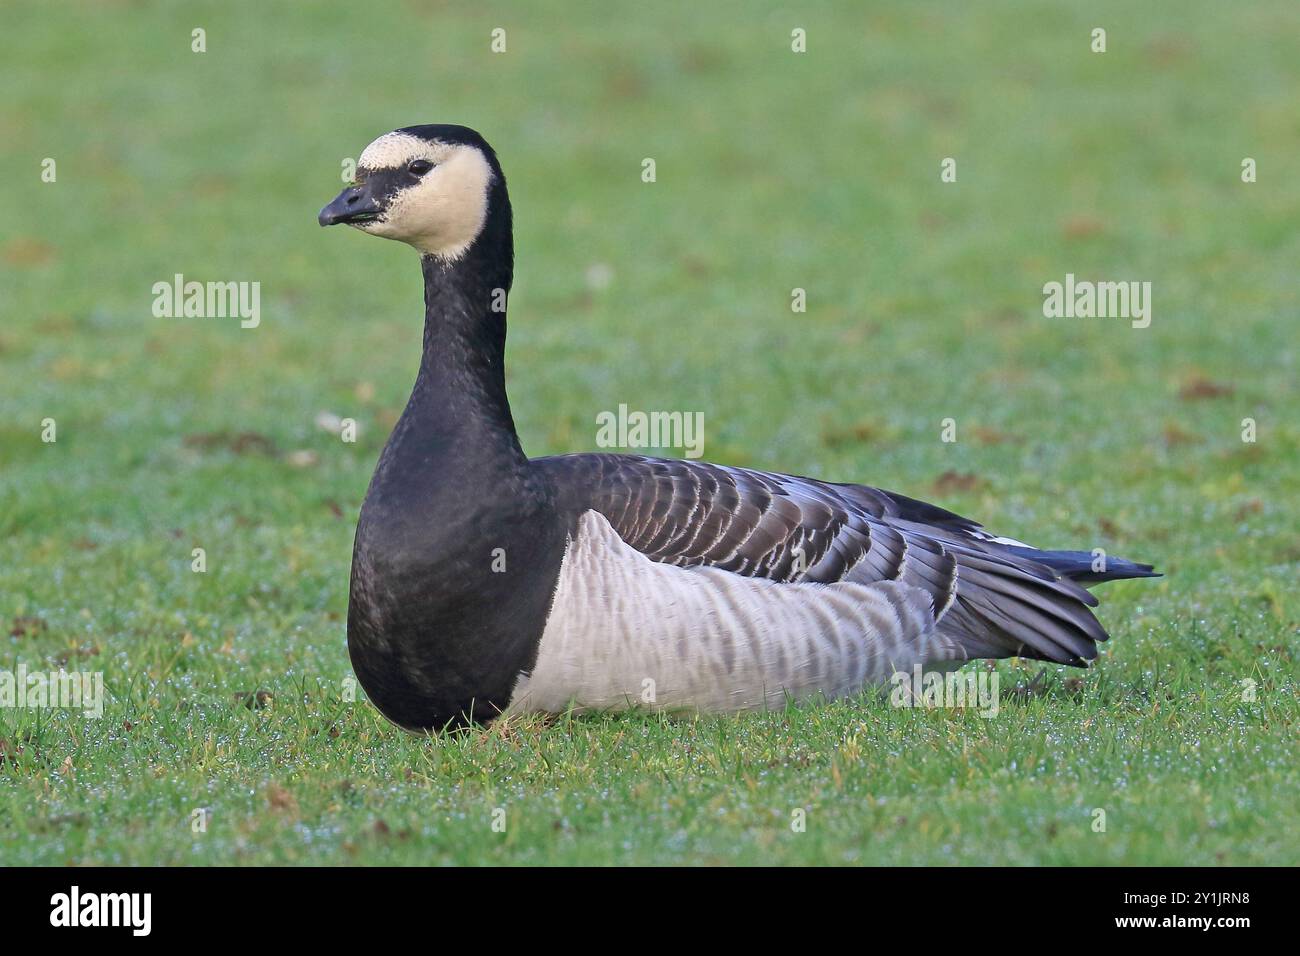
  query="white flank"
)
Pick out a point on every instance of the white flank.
point(625, 631)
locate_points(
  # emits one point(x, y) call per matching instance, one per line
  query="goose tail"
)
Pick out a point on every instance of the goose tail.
point(1086, 567)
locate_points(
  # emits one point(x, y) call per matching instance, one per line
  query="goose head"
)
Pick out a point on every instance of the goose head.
point(436, 188)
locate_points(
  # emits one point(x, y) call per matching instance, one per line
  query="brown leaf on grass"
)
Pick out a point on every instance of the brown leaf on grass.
point(625, 82)
point(697, 267)
point(9, 751)
point(281, 800)
point(80, 652)
point(1109, 528)
point(932, 221)
point(240, 443)
point(859, 433)
point(1168, 49)
point(1082, 226)
point(991, 436)
point(59, 323)
point(254, 700)
point(26, 252)
point(1198, 386)
point(1175, 434)
point(954, 481)
point(700, 59)
point(1247, 508)
point(334, 508)
point(26, 625)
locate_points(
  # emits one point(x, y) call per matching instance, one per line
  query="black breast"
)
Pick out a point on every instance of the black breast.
point(447, 605)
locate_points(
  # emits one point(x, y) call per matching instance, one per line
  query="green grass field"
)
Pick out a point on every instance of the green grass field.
point(227, 710)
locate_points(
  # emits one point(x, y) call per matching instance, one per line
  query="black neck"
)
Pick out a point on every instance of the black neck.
point(461, 386)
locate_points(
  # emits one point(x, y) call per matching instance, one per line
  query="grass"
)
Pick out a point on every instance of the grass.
point(775, 170)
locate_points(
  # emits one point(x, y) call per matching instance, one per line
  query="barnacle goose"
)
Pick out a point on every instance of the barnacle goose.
point(484, 582)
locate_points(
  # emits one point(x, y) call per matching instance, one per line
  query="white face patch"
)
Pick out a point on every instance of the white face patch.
point(442, 213)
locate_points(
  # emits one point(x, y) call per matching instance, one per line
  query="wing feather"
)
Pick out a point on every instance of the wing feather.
point(993, 601)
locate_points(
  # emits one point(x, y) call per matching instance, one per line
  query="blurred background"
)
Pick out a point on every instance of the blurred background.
point(775, 170)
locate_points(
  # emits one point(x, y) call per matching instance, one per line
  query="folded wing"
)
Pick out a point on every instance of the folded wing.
point(994, 599)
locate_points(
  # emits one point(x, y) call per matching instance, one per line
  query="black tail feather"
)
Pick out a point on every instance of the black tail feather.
point(1083, 567)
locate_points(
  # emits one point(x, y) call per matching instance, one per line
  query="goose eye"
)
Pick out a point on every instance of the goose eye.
point(419, 167)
